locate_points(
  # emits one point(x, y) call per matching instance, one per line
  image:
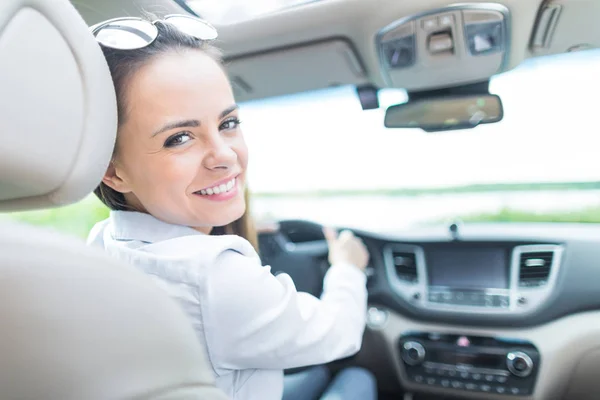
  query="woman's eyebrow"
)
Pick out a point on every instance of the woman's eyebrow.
point(189, 123)
point(228, 110)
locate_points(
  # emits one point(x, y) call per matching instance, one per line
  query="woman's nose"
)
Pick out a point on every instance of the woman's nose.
point(220, 156)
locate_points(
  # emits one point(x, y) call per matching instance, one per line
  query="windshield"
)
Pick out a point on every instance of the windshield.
point(319, 156)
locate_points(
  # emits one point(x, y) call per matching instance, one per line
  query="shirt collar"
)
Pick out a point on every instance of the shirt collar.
point(131, 225)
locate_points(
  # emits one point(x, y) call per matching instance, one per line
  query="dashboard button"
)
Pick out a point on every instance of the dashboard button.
point(457, 384)
point(441, 43)
point(477, 377)
point(445, 383)
point(471, 386)
point(475, 299)
point(489, 378)
point(413, 353)
point(431, 381)
point(430, 23)
point(500, 389)
point(465, 375)
point(519, 363)
point(418, 378)
point(488, 300)
point(452, 373)
point(446, 21)
point(440, 372)
point(515, 390)
point(501, 379)
point(485, 388)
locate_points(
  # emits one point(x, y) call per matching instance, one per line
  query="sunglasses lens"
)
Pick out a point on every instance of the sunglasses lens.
point(126, 34)
point(193, 26)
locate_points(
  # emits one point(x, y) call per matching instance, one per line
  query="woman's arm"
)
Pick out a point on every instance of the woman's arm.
point(256, 320)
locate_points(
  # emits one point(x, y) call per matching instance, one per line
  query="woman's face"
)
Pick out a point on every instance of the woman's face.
point(180, 154)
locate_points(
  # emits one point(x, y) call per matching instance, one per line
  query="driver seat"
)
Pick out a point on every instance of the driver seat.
point(74, 323)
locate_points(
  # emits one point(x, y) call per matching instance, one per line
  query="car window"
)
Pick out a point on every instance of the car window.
point(319, 156)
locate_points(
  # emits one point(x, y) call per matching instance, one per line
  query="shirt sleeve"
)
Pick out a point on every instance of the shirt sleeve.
point(256, 320)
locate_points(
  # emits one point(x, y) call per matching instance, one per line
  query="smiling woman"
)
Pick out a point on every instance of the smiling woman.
point(177, 177)
point(173, 158)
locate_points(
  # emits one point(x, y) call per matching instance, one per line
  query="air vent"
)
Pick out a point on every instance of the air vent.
point(405, 265)
point(534, 268)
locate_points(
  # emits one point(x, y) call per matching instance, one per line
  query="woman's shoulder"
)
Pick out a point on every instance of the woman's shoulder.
point(197, 247)
point(188, 259)
point(167, 251)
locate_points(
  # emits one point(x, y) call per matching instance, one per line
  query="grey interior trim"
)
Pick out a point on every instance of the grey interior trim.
point(576, 285)
point(417, 293)
point(298, 45)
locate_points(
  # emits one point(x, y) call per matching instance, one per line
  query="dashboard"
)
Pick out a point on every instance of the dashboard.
point(476, 311)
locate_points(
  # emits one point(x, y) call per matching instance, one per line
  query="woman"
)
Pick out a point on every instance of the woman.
point(176, 188)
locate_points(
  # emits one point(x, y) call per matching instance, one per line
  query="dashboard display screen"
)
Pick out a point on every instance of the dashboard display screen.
point(472, 268)
point(491, 361)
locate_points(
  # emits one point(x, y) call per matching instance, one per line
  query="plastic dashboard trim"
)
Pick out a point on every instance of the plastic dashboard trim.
point(576, 289)
point(418, 293)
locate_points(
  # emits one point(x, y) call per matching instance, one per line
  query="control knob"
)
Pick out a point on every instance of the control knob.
point(413, 353)
point(519, 363)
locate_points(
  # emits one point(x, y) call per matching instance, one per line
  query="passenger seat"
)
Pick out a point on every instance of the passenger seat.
point(74, 323)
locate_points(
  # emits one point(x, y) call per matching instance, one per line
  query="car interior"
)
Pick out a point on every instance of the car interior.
point(456, 310)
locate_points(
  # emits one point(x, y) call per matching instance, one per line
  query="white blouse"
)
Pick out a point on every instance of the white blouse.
point(252, 324)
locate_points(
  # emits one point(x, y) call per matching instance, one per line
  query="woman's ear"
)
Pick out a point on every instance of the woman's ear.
point(114, 179)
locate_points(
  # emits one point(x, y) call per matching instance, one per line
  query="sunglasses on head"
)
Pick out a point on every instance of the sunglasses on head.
point(130, 33)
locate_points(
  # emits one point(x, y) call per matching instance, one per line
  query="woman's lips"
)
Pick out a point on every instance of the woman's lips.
point(220, 191)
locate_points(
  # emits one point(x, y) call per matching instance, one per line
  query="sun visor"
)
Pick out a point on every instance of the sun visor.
point(295, 69)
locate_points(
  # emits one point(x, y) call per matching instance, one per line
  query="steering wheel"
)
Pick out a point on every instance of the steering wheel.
point(298, 248)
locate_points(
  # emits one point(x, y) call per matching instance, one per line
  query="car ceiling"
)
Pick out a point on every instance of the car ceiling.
point(332, 42)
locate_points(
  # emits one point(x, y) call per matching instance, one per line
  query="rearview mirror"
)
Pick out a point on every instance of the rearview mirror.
point(445, 113)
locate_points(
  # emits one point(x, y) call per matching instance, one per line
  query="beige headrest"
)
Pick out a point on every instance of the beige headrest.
point(58, 114)
point(76, 325)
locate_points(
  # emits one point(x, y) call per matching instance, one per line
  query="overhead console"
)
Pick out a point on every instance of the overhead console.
point(446, 47)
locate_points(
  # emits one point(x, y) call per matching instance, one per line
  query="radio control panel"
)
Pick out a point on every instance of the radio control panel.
point(470, 363)
point(472, 298)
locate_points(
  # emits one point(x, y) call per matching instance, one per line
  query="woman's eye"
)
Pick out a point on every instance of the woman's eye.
point(177, 139)
point(230, 124)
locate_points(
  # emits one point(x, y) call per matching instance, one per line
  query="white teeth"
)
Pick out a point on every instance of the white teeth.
point(223, 188)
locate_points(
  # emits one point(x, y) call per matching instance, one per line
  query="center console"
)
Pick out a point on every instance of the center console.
point(473, 277)
point(501, 366)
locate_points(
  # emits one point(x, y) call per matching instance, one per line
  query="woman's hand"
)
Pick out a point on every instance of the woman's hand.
point(346, 248)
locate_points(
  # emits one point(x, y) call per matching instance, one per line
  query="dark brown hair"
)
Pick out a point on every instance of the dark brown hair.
point(123, 64)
